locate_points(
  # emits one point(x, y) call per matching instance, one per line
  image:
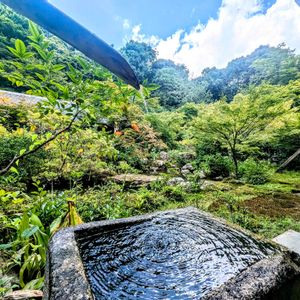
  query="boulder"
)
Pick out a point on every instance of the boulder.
point(187, 170)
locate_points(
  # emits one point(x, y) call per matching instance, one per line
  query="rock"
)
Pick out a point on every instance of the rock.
point(177, 181)
point(187, 156)
point(163, 155)
point(17, 98)
point(154, 170)
point(24, 295)
point(201, 174)
point(158, 166)
point(258, 281)
point(234, 181)
point(134, 179)
point(207, 185)
point(289, 239)
point(159, 163)
point(219, 178)
point(187, 170)
point(188, 167)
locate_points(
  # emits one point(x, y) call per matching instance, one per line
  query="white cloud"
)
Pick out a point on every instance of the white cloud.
point(238, 30)
point(126, 24)
point(136, 35)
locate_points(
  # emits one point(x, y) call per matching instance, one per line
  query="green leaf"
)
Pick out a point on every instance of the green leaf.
point(35, 220)
point(14, 170)
point(56, 224)
point(27, 233)
point(34, 30)
point(58, 67)
point(5, 246)
point(20, 46)
point(34, 137)
point(22, 151)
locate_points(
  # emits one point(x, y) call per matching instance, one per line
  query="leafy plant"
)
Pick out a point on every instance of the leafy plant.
point(216, 165)
point(255, 172)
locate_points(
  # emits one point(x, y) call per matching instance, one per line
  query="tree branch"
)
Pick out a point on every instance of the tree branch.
point(53, 137)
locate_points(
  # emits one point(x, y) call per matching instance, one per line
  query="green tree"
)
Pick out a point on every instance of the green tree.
point(141, 57)
point(241, 124)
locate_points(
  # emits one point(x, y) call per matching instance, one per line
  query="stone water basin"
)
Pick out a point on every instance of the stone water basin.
point(179, 254)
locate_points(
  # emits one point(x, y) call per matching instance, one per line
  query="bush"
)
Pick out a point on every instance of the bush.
point(255, 172)
point(147, 201)
point(216, 165)
point(174, 193)
point(11, 146)
point(13, 116)
point(181, 158)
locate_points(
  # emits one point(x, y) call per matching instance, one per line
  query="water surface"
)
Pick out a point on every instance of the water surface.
point(172, 256)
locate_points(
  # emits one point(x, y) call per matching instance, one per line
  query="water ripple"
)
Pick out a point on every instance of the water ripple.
point(172, 256)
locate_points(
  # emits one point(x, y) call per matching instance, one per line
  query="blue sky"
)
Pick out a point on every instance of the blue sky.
point(157, 17)
point(197, 33)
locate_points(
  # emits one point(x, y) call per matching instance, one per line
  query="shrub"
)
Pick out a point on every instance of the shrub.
point(255, 172)
point(175, 193)
point(11, 145)
point(147, 200)
point(13, 116)
point(181, 158)
point(216, 165)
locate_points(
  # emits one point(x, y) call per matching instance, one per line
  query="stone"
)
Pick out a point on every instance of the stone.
point(187, 170)
point(24, 295)
point(187, 156)
point(66, 278)
point(207, 185)
point(257, 281)
point(159, 163)
point(158, 166)
point(289, 239)
point(185, 173)
point(177, 181)
point(135, 180)
point(201, 174)
point(188, 167)
point(164, 155)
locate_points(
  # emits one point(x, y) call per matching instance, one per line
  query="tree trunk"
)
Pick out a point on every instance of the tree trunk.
point(235, 162)
point(236, 168)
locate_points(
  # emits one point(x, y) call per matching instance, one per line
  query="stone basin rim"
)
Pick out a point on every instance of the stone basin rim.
point(65, 276)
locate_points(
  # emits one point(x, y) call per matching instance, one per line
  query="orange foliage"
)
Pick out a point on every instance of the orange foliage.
point(135, 127)
point(118, 133)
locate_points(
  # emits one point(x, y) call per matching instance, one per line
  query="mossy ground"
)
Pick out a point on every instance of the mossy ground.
point(266, 210)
